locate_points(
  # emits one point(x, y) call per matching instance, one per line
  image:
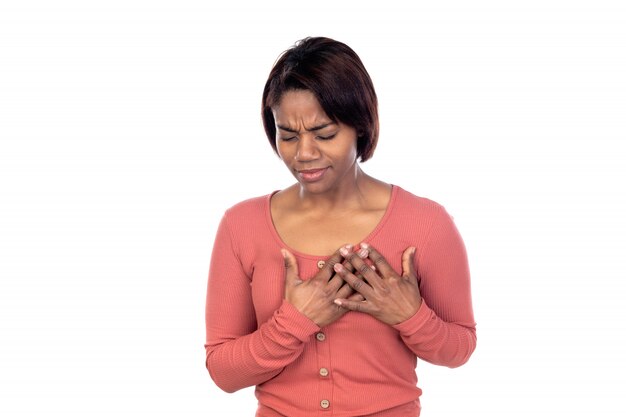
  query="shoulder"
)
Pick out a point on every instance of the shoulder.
point(244, 220)
point(248, 210)
point(413, 204)
point(424, 217)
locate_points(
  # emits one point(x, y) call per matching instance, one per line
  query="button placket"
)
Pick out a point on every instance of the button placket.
point(323, 371)
point(322, 347)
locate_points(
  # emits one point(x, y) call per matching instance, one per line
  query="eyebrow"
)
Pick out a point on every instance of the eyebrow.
point(318, 127)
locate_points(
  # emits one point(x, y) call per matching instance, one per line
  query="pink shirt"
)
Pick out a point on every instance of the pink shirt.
point(358, 365)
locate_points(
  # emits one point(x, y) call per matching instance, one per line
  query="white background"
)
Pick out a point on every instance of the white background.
point(128, 127)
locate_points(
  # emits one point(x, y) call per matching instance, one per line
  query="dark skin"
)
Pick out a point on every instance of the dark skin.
point(349, 282)
point(315, 297)
point(334, 201)
point(388, 296)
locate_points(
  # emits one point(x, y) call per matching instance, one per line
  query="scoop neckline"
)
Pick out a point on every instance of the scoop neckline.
point(368, 238)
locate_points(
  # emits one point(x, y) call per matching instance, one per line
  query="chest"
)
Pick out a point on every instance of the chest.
point(323, 235)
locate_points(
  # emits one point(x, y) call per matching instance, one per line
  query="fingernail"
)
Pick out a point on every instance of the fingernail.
point(365, 245)
point(343, 251)
point(363, 253)
point(338, 302)
point(349, 247)
point(284, 252)
point(338, 267)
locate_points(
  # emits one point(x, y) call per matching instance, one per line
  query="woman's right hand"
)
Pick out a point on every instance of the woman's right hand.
point(315, 297)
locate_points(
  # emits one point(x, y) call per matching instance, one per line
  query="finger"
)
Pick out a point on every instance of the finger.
point(327, 270)
point(361, 267)
point(291, 268)
point(346, 264)
point(363, 253)
point(379, 260)
point(356, 297)
point(353, 305)
point(345, 291)
point(408, 264)
point(357, 284)
point(336, 281)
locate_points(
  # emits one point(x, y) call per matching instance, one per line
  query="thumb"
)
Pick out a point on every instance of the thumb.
point(291, 268)
point(408, 264)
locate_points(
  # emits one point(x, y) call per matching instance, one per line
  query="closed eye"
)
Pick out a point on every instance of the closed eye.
point(289, 139)
point(327, 137)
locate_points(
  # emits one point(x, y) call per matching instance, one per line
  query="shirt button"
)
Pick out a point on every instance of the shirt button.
point(325, 404)
point(320, 336)
point(320, 264)
point(323, 372)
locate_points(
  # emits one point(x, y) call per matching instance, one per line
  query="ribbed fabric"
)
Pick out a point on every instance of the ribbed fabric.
point(255, 337)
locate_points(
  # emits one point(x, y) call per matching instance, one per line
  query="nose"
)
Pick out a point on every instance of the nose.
point(307, 149)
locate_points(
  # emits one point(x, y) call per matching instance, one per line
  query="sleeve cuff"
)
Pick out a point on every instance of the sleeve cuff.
point(295, 323)
point(413, 324)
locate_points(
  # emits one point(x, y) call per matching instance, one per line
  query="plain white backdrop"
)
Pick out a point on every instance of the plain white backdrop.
point(128, 127)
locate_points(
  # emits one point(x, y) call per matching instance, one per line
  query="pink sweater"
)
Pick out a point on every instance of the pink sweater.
point(356, 366)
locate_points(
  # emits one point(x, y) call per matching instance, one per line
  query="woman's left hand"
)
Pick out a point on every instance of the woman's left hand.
point(389, 297)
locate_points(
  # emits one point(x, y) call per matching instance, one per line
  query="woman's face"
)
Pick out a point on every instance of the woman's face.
point(320, 153)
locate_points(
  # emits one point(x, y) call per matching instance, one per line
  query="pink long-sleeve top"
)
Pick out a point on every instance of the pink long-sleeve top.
point(357, 366)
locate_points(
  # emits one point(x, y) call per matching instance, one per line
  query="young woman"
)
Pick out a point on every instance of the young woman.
point(324, 294)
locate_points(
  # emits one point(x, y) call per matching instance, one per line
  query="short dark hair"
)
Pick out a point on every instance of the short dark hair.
point(334, 73)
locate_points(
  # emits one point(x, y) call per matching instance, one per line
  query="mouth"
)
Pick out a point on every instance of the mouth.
point(311, 175)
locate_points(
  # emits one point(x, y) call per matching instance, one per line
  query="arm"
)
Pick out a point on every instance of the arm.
point(443, 330)
point(433, 315)
point(238, 354)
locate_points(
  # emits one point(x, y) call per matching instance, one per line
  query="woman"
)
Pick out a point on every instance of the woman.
point(324, 294)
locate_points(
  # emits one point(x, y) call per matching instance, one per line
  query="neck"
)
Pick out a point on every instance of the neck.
point(350, 194)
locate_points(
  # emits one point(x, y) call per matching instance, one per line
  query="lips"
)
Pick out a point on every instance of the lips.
point(312, 175)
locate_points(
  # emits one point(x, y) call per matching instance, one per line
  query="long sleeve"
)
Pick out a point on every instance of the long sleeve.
point(238, 352)
point(255, 337)
point(443, 331)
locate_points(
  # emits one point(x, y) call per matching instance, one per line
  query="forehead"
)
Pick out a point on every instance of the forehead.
point(299, 106)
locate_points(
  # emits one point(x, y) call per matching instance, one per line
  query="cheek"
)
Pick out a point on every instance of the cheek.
point(351, 151)
point(279, 149)
point(283, 151)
